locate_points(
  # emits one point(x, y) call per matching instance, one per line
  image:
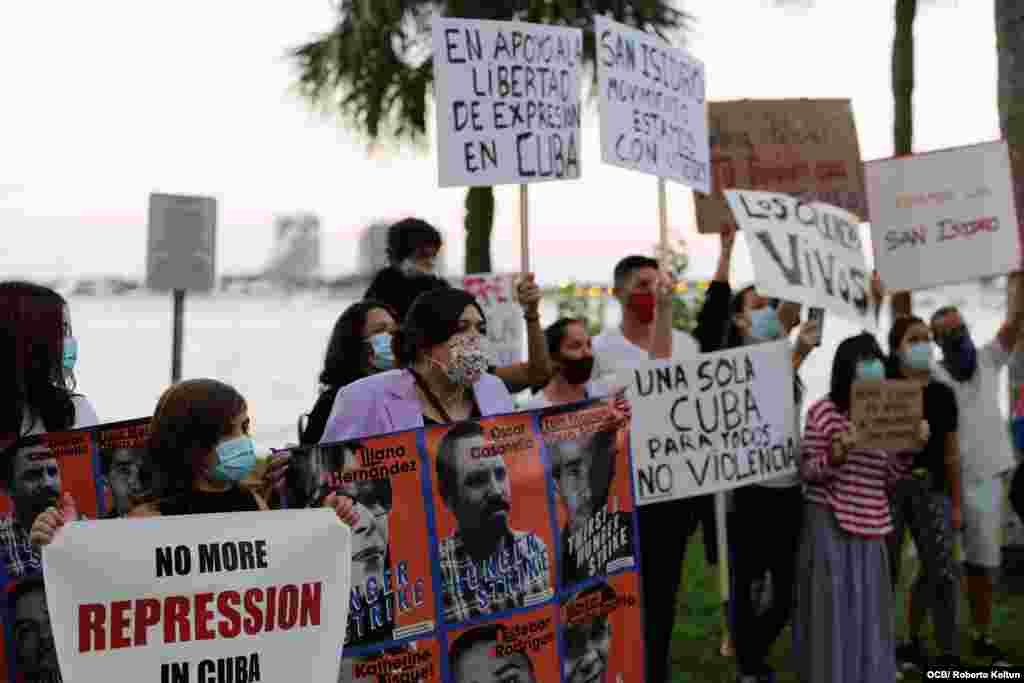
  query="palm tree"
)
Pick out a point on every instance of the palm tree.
point(374, 68)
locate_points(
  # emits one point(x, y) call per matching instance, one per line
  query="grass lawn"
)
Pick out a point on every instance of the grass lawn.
point(698, 630)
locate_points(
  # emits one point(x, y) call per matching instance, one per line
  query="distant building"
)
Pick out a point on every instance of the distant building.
point(295, 257)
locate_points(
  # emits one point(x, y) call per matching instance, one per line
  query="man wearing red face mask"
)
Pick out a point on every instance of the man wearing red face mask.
point(641, 290)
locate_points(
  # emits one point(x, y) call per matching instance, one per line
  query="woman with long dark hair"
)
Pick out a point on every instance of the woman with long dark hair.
point(37, 356)
point(928, 502)
point(203, 461)
point(843, 627)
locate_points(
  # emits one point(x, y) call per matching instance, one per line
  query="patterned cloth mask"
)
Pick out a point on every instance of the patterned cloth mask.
point(468, 359)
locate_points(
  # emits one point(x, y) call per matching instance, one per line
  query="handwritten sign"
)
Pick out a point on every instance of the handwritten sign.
point(654, 117)
point(943, 217)
point(508, 102)
point(713, 423)
point(496, 294)
point(807, 148)
point(887, 414)
point(810, 253)
point(200, 597)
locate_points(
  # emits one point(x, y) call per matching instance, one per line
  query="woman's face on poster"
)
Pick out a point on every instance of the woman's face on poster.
point(370, 534)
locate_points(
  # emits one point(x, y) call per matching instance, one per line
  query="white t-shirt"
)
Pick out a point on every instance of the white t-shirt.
point(594, 389)
point(85, 416)
point(985, 450)
point(613, 353)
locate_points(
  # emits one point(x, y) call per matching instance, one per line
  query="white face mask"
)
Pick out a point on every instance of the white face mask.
point(468, 359)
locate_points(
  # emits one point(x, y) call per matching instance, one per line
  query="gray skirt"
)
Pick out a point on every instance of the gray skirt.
point(843, 625)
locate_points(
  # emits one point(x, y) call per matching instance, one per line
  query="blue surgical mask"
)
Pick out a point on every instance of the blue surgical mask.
point(870, 370)
point(383, 355)
point(764, 324)
point(236, 458)
point(918, 357)
point(70, 353)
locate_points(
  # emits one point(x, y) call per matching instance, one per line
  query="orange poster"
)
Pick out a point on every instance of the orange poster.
point(123, 465)
point(411, 662)
point(392, 594)
point(521, 647)
point(492, 509)
point(588, 454)
point(603, 632)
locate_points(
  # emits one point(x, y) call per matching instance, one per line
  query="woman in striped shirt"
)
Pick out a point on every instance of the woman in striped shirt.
point(843, 630)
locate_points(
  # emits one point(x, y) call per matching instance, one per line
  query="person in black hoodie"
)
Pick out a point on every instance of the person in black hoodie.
point(413, 245)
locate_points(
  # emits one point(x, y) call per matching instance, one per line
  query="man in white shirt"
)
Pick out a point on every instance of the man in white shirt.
point(985, 450)
point(666, 526)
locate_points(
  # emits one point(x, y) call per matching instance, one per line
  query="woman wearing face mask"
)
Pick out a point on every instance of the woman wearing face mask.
point(569, 346)
point(360, 346)
point(38, 353)
point(928, 502)
point(441, 350)
point(843, 627)
point(203, 459)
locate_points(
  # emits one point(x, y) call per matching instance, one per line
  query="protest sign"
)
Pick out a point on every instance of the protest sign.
point(654, 116)
point(591, 470)
point(943, 217)
point(124, 467)
point(887, 414)
point(523, 513)
point(496, 294)
point(508, 102)
point(801, 147)
point(600, 621)
point(713, 423)
point(807, 253)
point(392, 594)
point(490, 481)
point(200, 597)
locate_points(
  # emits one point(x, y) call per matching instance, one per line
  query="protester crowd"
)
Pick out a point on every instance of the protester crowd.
point(413, 354)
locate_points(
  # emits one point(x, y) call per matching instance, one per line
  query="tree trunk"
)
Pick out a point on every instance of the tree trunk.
point(479, 224)
point(1010, 50)
point(903, 101)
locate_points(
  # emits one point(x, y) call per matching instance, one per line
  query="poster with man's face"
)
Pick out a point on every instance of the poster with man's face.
point(492, 508)
point(602, 632)
point(124, 465)
point(522, 648)
point(588, 461)
point(392, 594)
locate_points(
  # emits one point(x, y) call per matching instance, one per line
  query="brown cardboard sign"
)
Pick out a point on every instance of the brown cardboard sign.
point(807, 148)
point(887, 414)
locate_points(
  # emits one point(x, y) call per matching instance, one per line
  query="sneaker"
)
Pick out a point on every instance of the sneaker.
point(984, 648)
point(910, 656)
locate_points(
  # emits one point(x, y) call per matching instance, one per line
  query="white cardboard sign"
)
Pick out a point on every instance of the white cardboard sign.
point(496, 294)
point(713, 423)
point(943, 217)
point(182, 243)
point(186, 598)
point(508, 102)
point(654, 117)
point(807, 252)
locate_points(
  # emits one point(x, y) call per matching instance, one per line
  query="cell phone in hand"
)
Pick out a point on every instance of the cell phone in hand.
point(818, 315)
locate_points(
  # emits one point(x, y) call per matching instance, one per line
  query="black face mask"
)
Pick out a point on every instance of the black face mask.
point(577, 370)
point(959, 355)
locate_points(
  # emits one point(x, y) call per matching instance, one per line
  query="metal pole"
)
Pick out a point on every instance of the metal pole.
point(179, 315)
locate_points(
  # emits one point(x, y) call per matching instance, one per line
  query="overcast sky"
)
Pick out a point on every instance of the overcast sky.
point(107, 101)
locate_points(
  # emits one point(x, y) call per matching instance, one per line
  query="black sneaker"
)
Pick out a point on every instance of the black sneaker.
point(984, 648)
point(910, 656)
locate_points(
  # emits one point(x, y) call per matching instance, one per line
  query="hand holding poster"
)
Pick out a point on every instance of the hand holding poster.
point(943, 217)
point(714, 423)
point(887, 414)
point(807, 253)
point(653, 113)
point(238, 599)
point(508, 102)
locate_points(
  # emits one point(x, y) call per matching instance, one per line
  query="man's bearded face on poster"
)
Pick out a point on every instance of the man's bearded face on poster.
point(573, 478)
point(34, 649)
point(35, 482)
point(483, 493)
point(587, 648)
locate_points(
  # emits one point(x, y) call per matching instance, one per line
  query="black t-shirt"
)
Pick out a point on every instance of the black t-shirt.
point(392, 287)
point(941, 413)
point(203, 503)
